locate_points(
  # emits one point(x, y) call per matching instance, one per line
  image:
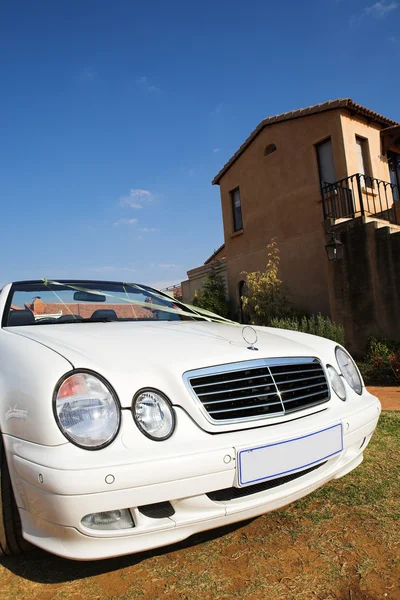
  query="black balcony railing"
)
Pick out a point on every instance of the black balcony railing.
point(360, 195)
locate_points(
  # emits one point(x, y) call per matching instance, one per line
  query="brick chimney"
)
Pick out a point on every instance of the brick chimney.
point(37, 306)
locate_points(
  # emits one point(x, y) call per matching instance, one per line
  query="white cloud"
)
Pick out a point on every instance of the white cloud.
point(216, 149)
point(125, 222)
point(381, 9)
point(168, 266)
point(140, 194)
point(148, 229)
point(134, 198)
point(146, 84)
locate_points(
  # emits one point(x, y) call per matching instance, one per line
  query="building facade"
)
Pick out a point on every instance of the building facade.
point(196, 276)
point(272, 185)
point(297, 177)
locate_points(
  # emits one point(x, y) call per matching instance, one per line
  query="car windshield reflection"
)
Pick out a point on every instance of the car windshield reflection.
point(75, 302)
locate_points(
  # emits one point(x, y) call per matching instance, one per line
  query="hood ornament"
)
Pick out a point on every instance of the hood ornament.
point(250, 336)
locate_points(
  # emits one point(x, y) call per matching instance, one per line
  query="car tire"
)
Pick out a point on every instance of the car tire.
point(11, 540)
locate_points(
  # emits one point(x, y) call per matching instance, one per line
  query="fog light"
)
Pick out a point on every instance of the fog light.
point(112, 519)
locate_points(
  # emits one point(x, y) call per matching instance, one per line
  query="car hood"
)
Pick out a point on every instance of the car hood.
point(132, 355)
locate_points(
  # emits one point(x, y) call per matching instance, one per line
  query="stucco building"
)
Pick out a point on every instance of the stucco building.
point(298, 175)
point(197, 275)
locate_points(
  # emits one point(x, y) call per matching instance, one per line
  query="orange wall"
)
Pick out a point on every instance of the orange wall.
point(355, 126)
point(280, 196)
point(374, 195)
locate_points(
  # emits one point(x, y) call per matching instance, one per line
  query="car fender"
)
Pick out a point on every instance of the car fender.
point(29, 373)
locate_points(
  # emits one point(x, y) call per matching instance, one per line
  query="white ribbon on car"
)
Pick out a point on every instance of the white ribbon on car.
point(45, 281)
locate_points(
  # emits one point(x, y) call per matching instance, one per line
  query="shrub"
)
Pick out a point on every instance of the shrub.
point(316, 325)
point(381, 363)
point(266, 297)
point(212, 295)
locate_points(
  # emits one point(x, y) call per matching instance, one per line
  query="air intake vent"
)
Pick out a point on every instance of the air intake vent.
point(234, 493)
point(158, 510)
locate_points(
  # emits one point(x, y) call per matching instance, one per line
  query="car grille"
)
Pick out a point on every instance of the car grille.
point(261, 388)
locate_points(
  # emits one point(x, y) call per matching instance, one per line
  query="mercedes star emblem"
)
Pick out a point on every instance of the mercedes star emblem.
point(250, 336)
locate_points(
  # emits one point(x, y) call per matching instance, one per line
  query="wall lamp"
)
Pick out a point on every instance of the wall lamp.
point(334, 248)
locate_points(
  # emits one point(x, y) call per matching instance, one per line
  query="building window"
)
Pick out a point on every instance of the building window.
point(326, 165)
point(363, 160)
point(269, 149)
point(236, 210)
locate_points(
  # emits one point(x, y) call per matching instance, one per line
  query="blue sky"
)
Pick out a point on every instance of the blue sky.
point(116, 115)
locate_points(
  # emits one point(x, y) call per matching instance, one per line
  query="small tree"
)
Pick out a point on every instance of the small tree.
point(212, 295)
point(266, 297)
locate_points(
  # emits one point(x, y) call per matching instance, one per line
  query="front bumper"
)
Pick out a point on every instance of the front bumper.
point(53, 497)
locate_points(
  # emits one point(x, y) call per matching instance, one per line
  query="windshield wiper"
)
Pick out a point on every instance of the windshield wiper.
point(68, 322)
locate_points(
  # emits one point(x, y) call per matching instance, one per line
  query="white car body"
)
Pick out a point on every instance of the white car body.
point(57, 483)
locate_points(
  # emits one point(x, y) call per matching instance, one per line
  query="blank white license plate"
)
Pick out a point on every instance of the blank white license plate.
point(282, 458)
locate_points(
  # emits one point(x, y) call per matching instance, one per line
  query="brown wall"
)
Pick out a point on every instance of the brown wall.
point(365, 285)
point(280, 195)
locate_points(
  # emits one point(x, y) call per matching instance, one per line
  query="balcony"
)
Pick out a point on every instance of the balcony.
point(360, 195)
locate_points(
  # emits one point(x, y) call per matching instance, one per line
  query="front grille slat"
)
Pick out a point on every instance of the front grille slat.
point(299, 389)
point(224, 377)
point(299, 379)
point(262, 385)
point(294, 372)
point(194, 385)
point(301, 397)
point(225, 410)
point(224, 400)
point(273, 387)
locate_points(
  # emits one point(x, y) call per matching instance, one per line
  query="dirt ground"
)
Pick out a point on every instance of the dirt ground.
point(389, 396)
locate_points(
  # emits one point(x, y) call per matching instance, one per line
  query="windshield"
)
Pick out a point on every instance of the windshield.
point(51, 302)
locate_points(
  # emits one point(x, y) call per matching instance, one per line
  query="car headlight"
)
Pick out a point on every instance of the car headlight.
point(349, 370)
point(87, 410)
point(153, 414)
point(336, 382)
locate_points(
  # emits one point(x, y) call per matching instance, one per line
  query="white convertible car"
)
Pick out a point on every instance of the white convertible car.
point(129, 421)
